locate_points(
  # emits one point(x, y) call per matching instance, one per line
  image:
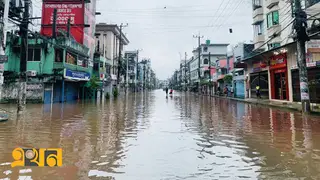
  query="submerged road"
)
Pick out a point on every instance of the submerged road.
point(151, 137)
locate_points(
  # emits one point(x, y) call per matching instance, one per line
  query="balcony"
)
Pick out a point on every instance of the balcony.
point(257, 12)
point(257, 16)
point(271, 3)
point(274, 30)
point(310, 3)
point(259, 45)
point(258, 38)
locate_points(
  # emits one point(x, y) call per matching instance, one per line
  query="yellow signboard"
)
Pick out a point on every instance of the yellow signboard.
point(37, 157)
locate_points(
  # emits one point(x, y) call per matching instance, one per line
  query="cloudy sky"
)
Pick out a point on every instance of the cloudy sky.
point(164, 29)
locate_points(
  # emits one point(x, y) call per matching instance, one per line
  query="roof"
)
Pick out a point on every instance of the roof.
point(113, 28)
point(217, 44)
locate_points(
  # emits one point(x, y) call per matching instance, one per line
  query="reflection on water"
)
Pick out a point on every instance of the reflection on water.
point(149, 136)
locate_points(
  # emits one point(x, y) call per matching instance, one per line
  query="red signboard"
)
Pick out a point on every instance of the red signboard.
point(279, 61)
point(65, 10)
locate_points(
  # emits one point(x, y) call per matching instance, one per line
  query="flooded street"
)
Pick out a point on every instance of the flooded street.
point(149, 137)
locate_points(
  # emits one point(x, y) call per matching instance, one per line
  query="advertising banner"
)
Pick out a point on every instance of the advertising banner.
point(65, 10)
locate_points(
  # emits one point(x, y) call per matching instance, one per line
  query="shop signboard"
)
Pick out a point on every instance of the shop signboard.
point(65, 10)
point(256, 67)
point(76, 75)
point(277, 62)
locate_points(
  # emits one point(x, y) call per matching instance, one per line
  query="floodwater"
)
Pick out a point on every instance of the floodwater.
point(149, 137)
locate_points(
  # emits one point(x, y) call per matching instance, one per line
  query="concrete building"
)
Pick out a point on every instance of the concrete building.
point(132, 60)
point(273, 64)
point(57, 70)
point(108, 40)
point(216, 51)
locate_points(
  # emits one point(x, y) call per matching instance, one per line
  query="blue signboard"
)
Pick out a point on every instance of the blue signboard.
point(76, 75)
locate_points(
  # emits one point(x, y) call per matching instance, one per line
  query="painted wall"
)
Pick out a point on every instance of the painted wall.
point(34, 91)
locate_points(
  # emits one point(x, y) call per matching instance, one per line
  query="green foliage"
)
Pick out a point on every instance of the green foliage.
point(228, 79)
point(93, 83)
point(115, 93)
point(107, 95)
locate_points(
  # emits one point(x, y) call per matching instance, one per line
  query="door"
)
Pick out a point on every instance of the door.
point(239, 90)
point(47, 97)
point(280, 85)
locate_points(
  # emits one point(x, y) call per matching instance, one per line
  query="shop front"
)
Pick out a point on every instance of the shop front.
point(259, 77)
point(314, 83)
point(279, 77)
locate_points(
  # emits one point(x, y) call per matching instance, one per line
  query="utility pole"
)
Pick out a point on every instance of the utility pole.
point(127, 74)
point(185, 71)
point(301, 35)
point(144, 76)
point(23, 57)
point(210, 73)
point(3, 39)
point(137, 70)
point(199, 37)
point(119, 58)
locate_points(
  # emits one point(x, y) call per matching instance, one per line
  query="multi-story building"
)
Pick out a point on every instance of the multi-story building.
point(59, 66)
point(273, 65)
point(108, 39)
point(211, 53)
point(132, 60)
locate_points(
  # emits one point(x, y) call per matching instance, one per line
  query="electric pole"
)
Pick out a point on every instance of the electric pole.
point(119, 58)
point(137, 75)
point(3, 40)
point(185, 71)
point(301, 35)
point(23, 57)
point(210, 73)
point(199, 37)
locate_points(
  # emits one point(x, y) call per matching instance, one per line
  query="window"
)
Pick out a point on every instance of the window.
point(256, 4)
point(273, 45)
point(272, 19)
point(58, 55)
point(258, 29)
point(71, 59)
point(205, 61)
point(34, 54)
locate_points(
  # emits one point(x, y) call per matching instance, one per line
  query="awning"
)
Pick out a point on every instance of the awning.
point(257, 55)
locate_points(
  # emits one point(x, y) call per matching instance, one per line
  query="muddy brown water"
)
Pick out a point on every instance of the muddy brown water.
point(151, 137)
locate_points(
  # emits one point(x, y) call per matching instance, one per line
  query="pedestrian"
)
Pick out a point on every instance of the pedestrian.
point(218, 90)
point(258, 91)
point(171, 91)
point(167, 91)
point(225, 90)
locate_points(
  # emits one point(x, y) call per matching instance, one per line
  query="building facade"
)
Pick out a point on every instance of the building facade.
point(108, 40)
point(273, 65)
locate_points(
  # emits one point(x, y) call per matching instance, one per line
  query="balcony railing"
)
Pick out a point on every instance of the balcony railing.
point(310, 3)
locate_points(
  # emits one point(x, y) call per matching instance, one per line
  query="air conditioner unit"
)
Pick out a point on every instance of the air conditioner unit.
point(32, 73)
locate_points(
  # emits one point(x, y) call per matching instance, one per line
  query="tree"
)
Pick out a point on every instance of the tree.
point(228, 79)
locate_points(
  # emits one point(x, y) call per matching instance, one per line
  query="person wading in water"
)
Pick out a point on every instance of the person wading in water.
point(167, 90)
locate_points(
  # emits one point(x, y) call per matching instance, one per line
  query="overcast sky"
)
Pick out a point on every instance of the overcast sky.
point(165, 28)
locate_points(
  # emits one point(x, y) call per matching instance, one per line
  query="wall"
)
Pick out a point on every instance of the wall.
point(34, 91)
point(194, 69)
point(291, 62)
point(216, 49)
